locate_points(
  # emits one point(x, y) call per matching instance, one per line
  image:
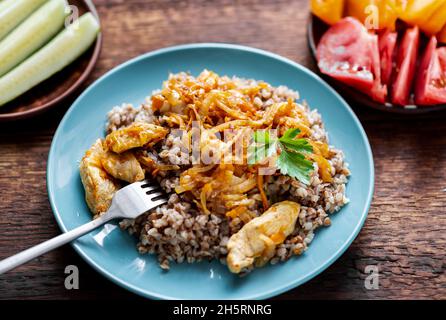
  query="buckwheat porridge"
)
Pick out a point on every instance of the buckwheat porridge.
point(247, 168)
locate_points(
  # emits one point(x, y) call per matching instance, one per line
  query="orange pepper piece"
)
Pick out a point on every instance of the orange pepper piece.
point(329, 11)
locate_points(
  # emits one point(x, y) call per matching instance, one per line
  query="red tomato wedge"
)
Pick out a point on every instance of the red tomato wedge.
point(348, 53)
point(431, 86)
point(405, 67)
point(387, 45)
point(379, 91)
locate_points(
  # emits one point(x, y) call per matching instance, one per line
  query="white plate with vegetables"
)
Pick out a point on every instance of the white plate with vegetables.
point(47, 50)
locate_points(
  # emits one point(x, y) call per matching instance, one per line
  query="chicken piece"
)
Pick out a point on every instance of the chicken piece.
point(123, 166)
point(99, 186)
point(256, 241)
point(136, 135)
point(147, 161)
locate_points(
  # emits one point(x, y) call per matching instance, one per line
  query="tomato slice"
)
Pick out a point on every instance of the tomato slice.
point(387, 45)
point(379, 91)
point(431, 86)
point(348, 53)
point(406, 67)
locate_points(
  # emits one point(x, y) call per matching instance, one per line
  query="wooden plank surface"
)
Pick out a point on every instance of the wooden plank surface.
point(404, 235)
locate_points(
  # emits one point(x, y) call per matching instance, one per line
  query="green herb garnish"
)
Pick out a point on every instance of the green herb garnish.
point(291, 161)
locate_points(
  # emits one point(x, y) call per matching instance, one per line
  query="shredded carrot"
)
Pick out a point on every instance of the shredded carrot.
point(324, 167)
point(262, 192)
point(157, 102)
point(320, 148)
point(197, 115)
point(203, 196)
point(232, 112)
point(245, 217)
point(234, 213)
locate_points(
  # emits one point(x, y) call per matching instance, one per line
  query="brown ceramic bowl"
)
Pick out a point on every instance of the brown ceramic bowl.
point(51, 92)
point(315, 31)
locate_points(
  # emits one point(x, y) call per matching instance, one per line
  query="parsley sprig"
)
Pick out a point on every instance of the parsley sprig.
point(291, 161)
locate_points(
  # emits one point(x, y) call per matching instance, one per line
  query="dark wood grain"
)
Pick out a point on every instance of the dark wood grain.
point(404, 235)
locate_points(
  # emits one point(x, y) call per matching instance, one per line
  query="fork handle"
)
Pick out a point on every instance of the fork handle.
point(33, 252)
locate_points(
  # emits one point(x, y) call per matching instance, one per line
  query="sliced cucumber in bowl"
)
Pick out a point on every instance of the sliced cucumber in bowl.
point(14, 12)
point(32, 34)
point(4, 3)
point(53, 57)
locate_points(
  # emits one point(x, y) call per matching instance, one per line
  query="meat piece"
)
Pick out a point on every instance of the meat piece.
point(136, 135)
point(123, 166)
point(99, 186)
point(256, 241)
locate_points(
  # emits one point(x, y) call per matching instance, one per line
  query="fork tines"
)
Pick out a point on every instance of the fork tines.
point(153, 190)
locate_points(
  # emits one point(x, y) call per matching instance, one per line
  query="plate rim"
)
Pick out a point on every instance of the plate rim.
point(97, 48)
point(264, 295)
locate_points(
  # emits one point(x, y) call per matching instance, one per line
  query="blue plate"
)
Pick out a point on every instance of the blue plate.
point(112, 251)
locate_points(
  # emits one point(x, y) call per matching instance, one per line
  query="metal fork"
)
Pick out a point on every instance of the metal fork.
point(128, 202)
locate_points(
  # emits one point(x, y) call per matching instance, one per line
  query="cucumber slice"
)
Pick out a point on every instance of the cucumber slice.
point(32, 34)
point(15, 12)
point(53, 57)
point(4, 3)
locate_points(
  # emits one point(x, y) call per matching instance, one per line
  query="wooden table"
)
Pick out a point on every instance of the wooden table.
point(404, 235)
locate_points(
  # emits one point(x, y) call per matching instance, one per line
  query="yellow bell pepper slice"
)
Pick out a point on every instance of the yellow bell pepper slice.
point(385, 10)
point(357, 8)
point(388, 14)
point(435, 22)
point(399, 5)
point(418, 11)
point(329, 11)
